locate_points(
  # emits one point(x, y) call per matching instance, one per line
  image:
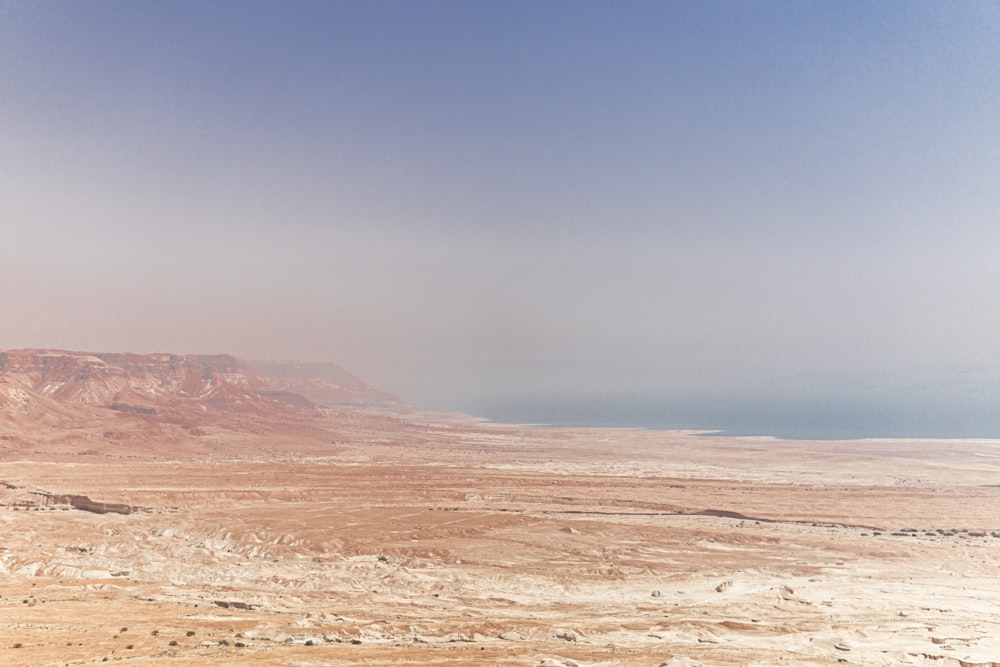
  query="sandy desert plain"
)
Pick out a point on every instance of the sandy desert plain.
point(180, 528)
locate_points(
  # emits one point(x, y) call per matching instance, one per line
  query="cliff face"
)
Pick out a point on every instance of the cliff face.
point(133, 382)
point(323, 383)
point(19, 403)
point(70, 402)
point(116, 404)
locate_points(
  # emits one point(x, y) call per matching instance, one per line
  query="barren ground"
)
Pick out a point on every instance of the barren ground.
point(450, 542)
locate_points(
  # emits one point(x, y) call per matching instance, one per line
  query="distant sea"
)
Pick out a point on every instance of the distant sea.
point(829, 419)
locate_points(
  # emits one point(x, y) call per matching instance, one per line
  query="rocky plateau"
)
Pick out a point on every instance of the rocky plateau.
point(202, 510)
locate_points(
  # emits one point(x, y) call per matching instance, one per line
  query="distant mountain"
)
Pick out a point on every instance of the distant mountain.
point(324, 383)
point(84, 403)
point(47, 385)
point(133, 382)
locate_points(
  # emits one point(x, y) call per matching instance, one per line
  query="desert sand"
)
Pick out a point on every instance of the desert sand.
point(385, 535)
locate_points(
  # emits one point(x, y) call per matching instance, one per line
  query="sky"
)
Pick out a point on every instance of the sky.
point(743, 215)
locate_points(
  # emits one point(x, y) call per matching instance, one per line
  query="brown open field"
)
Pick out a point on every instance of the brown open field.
point(447, 541)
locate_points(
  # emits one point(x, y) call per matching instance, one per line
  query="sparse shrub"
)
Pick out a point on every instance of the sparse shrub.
point(240, 645)
point(189, 633)
point(129, 646)
point(155, 633)
point(173, 642)
point(310, 642)
point(18, 645)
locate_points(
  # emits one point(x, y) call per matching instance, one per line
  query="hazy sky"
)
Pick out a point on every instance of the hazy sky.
point(482, 204)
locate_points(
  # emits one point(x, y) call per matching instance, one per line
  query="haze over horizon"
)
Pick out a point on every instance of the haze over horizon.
point(757, 216)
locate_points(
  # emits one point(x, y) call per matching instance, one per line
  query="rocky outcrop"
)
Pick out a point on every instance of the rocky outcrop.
point(16, 496)
point(87, 505)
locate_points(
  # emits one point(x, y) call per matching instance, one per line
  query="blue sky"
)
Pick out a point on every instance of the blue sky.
point(495, 204)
